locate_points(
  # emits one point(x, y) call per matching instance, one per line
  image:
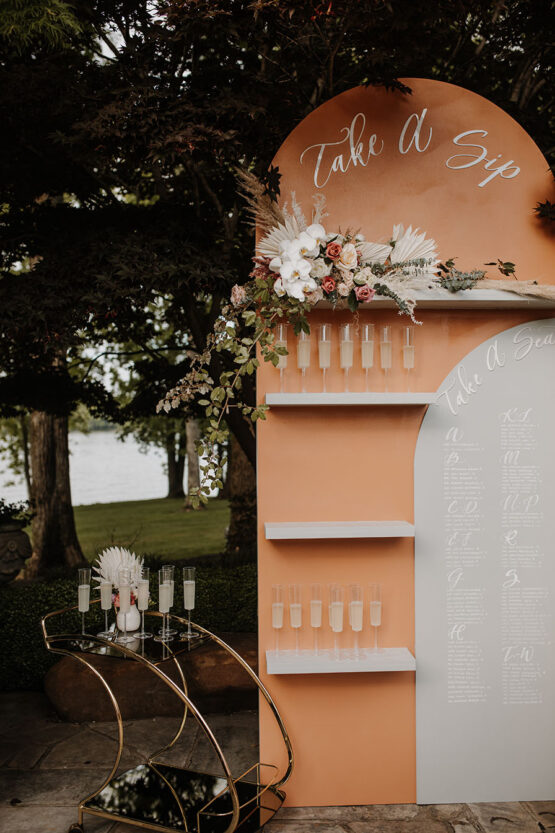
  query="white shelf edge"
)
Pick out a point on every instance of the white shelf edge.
point(356, 398)
point(302, 530)
point(386, 659)
point(465, 299)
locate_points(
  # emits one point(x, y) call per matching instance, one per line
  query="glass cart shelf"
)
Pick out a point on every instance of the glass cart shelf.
point(355, 398)
point(156, 795)
point(385, 659)
point(337, 529)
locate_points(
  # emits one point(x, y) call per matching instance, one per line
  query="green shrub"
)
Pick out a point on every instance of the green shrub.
point(225, 597)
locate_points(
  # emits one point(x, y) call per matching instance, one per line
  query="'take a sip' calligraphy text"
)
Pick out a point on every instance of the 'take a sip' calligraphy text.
point(353, 150)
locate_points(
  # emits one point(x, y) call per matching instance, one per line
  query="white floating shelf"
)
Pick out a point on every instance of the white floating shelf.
point(465, 299)
point(338, 529)
point(381, 398)
point(386, 659)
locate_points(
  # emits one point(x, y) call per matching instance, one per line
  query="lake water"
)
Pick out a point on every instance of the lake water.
point(104, 469)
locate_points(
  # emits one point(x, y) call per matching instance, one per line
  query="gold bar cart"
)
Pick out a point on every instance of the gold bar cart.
point(163, 797)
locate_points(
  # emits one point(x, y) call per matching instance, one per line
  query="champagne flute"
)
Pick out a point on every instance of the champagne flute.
point(142, 600)
point(385, 351)
point(164, 598)
point(408, 352)
point(170, 571)
point(346, 350)
point(277, 612)
point(189, 600)
point(124, 589)
point(303, 356)
point(83, 595)
point(295, 612)
point(316, 612)
point(375, 610)
point(281, 341)
point(324, 350)
point(367, 348)
point(356, 613)
point(105, 604)
point(336, 614)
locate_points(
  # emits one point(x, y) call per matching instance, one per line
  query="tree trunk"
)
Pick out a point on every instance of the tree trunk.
point(193, 464)
point(55, 540)
point(241, 536)
point(223, 494)
point(24, 423)
point(176, 464)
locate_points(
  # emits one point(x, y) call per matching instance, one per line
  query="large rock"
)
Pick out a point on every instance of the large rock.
point(215, 681)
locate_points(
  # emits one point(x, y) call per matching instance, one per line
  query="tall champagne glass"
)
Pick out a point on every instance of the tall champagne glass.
point(295, 611)
point(105, 604)
point(324, 351)
point(356, 613)
point(336, 614)
point(189, 600)
point(281, 341)
point(316, 612)
point(346, 350)
point(375, 610)
point(408, 352)
point(385, 351)
point(303, 356)
point(170, 571)
point(367, 349)
point(83, 594)
point(124, 589)
point(277, 612)
point(164, 598)
point(143, 593)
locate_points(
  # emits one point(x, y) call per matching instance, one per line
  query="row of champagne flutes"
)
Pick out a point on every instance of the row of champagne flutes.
point(336, 596)
point(347, 341)
point(139, 592)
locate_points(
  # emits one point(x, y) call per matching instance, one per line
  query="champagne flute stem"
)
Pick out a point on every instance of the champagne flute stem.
point(356, 644)
point(142, 621)
point(277, 641)
point(281, 380)
point(375, 638)
point(366, 371)
point(316, 641)
point(189, 624)
point(303, 372)
point(336, 646)
point(386, 379)
point(296, 640)
point(324, 378)
point(83, 624)
point(346, 380)
point(125, 626)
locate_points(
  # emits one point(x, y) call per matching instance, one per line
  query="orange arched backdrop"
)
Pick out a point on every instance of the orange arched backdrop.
point(354, 734)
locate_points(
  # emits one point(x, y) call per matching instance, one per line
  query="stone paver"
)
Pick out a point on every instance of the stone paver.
point(47, 766)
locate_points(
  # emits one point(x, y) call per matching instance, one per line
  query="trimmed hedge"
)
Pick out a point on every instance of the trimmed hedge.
point(225, 601)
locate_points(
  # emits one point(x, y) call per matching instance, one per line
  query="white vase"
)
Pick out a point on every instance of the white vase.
point(133, 619)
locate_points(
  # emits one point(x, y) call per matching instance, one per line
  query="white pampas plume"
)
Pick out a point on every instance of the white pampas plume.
point(112, 560)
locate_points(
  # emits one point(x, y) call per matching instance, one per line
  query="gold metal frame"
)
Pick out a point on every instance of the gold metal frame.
point(56, 643)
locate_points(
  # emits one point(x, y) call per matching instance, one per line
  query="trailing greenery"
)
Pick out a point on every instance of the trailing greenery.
point(226, 602)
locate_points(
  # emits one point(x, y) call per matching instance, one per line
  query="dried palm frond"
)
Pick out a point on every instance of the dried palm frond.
point(270, 246)
point(263, 211)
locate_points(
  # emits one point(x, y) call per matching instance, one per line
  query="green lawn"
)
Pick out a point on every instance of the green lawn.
point(159, 528)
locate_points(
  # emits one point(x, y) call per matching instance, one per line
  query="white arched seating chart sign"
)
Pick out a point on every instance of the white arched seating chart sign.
point(485, 575)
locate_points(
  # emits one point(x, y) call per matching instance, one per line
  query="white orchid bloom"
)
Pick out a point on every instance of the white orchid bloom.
point(275, 264)
point(318, 232)
point(298, 269)
point(278, 288)
point(304, 245)
point(299, 287)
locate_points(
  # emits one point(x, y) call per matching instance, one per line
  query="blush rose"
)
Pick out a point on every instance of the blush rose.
point(328, 284)
point(364, 293)
point(333, 251)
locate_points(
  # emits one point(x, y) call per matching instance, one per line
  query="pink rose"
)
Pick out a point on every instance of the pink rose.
point(333, 251)
point(328, 284)
point(364, 293)
point(238, 295)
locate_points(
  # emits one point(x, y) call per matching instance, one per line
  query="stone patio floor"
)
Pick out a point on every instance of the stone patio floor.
point(46, 766)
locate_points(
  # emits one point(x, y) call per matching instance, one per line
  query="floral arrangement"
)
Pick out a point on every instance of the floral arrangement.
point(297, 265)
point(111, 561)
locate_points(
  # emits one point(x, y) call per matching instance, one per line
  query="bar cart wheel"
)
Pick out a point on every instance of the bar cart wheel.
point(75, 828)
